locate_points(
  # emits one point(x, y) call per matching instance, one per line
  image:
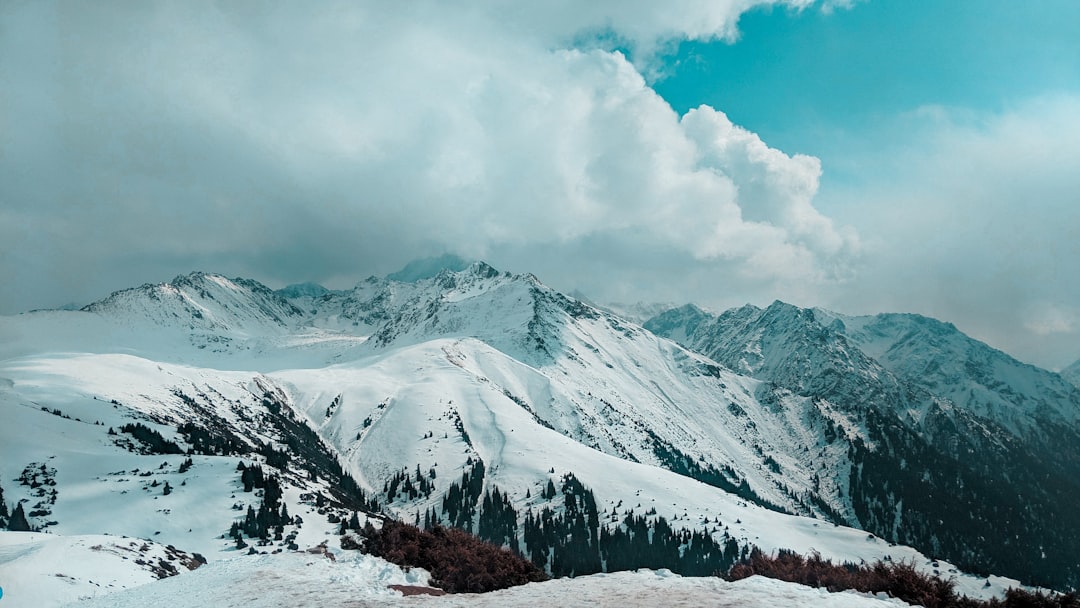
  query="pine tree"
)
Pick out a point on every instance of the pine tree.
point(18, 522)
point(250, 525)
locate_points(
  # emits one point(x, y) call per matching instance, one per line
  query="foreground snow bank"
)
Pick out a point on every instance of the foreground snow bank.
point(44, 570)
point(661, 588)
point(358, 580)
point(286, 579)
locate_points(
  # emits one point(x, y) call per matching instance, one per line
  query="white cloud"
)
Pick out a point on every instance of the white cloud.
point(773, 188)
point(294, 144)
point(972, 217)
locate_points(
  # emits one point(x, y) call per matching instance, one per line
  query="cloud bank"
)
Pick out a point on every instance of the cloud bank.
point(288, 144)
point(973, 217)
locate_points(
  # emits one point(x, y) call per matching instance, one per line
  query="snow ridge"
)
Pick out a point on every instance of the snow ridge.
point(922, 408)
point(343, 396)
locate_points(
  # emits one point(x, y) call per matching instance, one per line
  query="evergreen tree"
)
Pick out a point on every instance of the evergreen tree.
point(250, 525)
point(459, 503)
point(18, 522)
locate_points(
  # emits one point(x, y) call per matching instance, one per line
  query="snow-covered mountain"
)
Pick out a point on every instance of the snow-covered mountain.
point(303, 290)
point(203, 304)
point(1072, 373)
point(475, 398)
point(425, 268)
point(953, 437)
point(975, 377)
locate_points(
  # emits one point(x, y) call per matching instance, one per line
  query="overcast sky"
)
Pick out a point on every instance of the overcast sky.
point(881, 155)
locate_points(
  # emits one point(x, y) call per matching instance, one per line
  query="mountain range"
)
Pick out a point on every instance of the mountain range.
point(486, 400)
point(962, 451)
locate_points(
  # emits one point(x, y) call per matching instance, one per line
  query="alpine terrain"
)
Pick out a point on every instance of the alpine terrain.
point(200, 426)
point(959, 450)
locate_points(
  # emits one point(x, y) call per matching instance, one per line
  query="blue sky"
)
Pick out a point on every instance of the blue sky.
point(867, 156)
point(866, 89)
point(795, 76)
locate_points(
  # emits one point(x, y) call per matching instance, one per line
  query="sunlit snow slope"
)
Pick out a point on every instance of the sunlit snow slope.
point(960, 450)
point(391, 397)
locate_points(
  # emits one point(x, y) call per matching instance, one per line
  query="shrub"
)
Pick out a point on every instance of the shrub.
point(458, 561)
point(899, 579)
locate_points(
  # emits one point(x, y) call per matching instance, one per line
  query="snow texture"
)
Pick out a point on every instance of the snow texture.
point(391, 375)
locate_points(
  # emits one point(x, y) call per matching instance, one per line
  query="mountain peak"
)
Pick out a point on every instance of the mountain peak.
point(194, 275)
point(426, 268)
point(303, 290)
point(203, 303)
point(780, 308)
point(967, 372)
point(483, 270)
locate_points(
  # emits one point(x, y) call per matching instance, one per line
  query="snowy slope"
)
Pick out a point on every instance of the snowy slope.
point(589, 374)
point(78, 476)
point(415, 395)
point(924, 411)
point(101, 487)
point(47, 569)
point(970, 374)
point(519, 454)
point(199, 319)
point(293, 580)
point(204, 304)
point(1072, 373)
point(434, 376)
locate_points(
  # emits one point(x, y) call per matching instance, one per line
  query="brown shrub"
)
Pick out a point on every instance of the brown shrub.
point(458, 561)
point(351, 543)
point(1019, 598)
point(898, 579)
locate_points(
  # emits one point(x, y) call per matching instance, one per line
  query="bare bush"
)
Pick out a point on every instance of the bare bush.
point(898, 579)
point(458, 561)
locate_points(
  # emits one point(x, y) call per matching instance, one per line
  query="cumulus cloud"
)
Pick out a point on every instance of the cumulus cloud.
point(972, 217)
point(286, 143)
